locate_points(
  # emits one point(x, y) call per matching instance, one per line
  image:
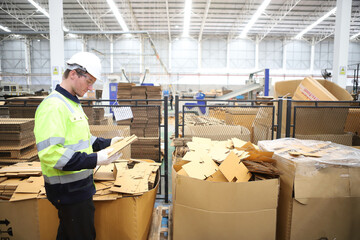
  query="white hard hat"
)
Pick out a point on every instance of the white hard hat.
point(88, 61)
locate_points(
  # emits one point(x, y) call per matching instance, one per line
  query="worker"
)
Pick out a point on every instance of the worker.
point(65, 148)
point(171, 98)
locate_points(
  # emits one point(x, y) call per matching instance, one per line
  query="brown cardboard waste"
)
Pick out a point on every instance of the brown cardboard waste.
point(226, 205)
point(310, 89)
point(117, 215)
point(319, 194)
point(218, 132)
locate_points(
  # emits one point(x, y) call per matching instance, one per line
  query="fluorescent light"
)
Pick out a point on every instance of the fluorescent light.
point(118, 16)
point(5, 29)
point(65, 29)
point(187, 17)
point(39, 8)
point(354, 36)
point(332, 11)
point(257, 14)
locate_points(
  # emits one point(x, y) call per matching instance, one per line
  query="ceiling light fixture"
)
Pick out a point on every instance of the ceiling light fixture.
point(252, 21)
point(332, 11)
point(354, 36)
point(117, 14)
point(187, 17)
point(5, 29)
point(39, 8)
point(65, 29)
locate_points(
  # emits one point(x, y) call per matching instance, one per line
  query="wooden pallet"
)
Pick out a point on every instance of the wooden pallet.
point(157, 231)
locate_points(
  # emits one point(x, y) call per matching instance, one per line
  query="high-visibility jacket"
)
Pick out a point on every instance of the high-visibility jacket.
point(65, 148)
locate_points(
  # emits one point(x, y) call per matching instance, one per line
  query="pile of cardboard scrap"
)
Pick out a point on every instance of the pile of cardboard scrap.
point(125, 178)
point(194, 120)
point(17, 141)
point(224, 161)
point(21, 181)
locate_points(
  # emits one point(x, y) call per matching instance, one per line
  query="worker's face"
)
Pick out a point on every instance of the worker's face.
point(83, 83)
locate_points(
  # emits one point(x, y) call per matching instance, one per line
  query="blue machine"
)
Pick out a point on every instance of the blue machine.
point(112, 93)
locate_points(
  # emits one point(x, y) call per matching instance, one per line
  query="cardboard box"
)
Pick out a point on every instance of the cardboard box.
point(337, 117)
point(123, 218)
point(29, 219)
point(310, 89)
point(241, 116)
point(219, 132)
point(319, 197)
point(218, 210)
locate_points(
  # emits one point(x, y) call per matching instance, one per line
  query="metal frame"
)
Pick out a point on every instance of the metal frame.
point(250, 102)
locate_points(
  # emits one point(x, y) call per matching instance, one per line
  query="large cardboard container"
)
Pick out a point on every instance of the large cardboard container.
point(322, 121)
point(29, 219)
point(217, 210)
point(218, 132)
point(124, 218)
point(319, 198)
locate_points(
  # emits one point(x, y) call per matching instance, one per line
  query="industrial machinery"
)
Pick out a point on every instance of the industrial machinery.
point(8, 89)
point(255, 82)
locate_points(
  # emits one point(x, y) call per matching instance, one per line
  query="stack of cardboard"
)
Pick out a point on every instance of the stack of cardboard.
point(124, 90)
point(139, 121)
point(153, 92)
point(17, 140)
point(138, 92)
point(95, 115)
point(99, 117)
point(4, 111)
point(195, 120)
point(152, 126)
point(18, 108)
point(319, 189)
point(131, 191)
point(146, 148)
point(228, 184)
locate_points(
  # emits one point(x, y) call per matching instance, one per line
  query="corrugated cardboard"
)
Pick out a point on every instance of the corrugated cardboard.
point(217, 210)
point(310, 89)
point(317, 201)
point(220, 132)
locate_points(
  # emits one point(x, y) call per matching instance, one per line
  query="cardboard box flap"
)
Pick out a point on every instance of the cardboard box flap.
point(259, 194)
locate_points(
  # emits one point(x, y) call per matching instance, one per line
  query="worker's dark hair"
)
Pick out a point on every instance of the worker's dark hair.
point(66, 73)
point(78, 71)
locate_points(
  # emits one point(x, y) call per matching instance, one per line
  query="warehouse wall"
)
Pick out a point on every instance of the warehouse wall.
point(213, 61)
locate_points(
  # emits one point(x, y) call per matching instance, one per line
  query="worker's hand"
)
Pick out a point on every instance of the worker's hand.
point(103, 157)
point(115, 140)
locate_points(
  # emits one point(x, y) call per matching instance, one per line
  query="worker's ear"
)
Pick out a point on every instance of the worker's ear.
point(73, 74)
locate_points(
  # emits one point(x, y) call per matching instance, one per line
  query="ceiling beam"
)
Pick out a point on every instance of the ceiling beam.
point(133, 19)
point(168, 19)
point(242, 15)
point(278, 16)
point(94, 15)
point(23, 17)
point(208, 3)
point(317, 13)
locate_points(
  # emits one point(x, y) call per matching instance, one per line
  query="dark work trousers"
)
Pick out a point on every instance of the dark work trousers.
point(76, 221)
